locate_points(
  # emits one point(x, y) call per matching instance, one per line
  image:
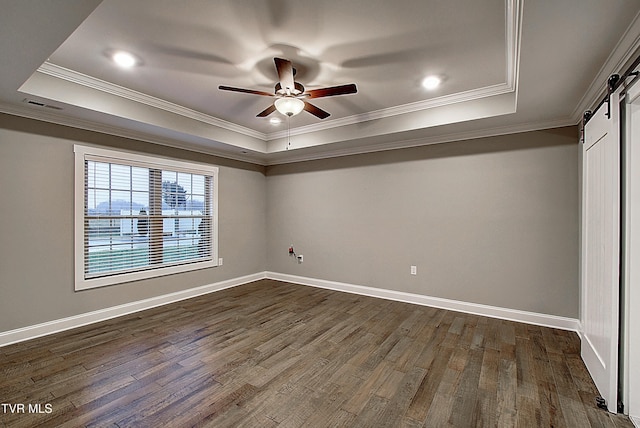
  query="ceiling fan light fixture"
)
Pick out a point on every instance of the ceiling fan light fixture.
point(289, 106)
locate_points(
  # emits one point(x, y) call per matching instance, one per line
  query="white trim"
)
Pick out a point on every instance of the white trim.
point(213, 148)
point(621, 54)
point(513, 30)
point(512, 40)
point(460, 97)
point(100, 85)
point(83, 153)
point(143, 160)
point(78, 78)
point(635, 420)
point(279, 158)
point(56, 326)
point(631, 273)
point(544, 320)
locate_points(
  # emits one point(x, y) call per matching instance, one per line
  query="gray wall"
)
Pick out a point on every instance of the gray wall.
point(491, 221)
point(36, 226)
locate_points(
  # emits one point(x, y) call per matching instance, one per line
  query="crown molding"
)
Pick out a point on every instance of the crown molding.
point(513, 41)
point(52, 116)
point(72, 76)
point(513, 32)
point(622, 54)
point(513, 29)
point(513, 20)
point(460, 97)
point(283, 157)
point(291, 157)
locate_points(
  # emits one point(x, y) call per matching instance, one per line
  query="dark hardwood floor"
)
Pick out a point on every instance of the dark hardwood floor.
point(271, 354)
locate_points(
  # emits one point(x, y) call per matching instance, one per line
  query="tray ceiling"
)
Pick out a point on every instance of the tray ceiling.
point(505, 65)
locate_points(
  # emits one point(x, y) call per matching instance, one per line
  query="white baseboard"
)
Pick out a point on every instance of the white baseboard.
point(55, 326)
point(635, 420)
point(544, 320)
point(31, 332)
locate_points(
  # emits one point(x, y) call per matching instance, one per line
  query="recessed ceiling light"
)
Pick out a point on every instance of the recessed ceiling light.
point(124, 59)
point(275, 121)
point(431, 82)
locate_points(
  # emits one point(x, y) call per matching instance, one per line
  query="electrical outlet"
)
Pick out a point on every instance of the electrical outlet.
point(220, 261)
point(414, 270)
point(300, 258)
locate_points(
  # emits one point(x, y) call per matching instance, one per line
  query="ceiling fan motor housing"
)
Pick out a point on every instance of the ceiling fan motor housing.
point(297, 90)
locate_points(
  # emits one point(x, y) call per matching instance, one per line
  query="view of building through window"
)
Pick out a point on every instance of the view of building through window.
point(138, 217)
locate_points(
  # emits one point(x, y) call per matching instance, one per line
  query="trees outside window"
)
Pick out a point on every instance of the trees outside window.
point(142, 216)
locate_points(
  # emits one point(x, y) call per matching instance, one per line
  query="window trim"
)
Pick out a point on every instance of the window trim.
point(83, 153)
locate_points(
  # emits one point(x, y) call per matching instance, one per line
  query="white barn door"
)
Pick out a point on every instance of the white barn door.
point(632, 254)
point(601, 250)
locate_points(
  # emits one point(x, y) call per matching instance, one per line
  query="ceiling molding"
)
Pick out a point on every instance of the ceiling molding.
point(626, 48)
point(513, 37)
point(51, 116)
point(72, 76)
point(460, 97)
point(206, 134)
point(513, 20)
point(264, 159)
point(291, 157)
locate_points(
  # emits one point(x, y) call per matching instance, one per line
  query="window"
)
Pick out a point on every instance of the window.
point(139, 216)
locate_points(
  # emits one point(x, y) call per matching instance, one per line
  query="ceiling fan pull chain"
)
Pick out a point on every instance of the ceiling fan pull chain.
point(288, 132)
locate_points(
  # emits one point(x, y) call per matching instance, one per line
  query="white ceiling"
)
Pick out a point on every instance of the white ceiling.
point(506, 65)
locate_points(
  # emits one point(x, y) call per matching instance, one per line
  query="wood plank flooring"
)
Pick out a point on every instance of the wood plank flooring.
point(270, 354)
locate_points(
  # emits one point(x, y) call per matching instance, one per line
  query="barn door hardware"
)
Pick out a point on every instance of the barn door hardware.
point(612, 84)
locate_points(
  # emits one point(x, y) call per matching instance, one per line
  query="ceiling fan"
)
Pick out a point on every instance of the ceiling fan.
point(291, 96)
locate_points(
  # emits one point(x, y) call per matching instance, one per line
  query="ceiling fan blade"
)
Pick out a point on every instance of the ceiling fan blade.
point(245, 91)
point(318, 112)
point(285, 73)
point(334, 90)
point(266, 112)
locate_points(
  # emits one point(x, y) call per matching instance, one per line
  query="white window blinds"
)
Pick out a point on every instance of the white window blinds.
point(139, 216)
